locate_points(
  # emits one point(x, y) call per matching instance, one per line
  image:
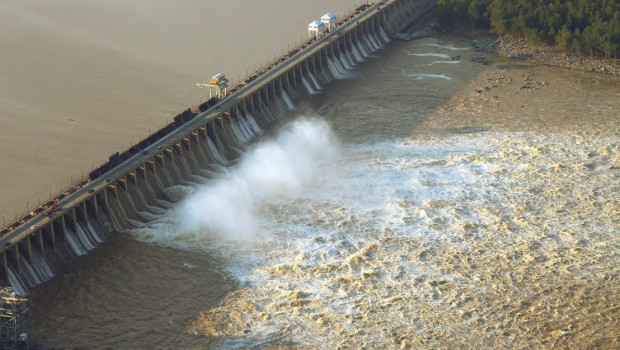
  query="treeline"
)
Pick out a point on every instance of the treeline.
point(588, 27)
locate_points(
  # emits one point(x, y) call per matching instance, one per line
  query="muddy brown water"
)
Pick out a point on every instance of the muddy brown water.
point(465, 206)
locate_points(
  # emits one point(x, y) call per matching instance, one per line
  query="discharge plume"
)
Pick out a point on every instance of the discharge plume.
point(280, 167)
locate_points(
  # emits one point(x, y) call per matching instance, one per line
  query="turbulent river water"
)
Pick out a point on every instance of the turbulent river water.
point(399, 208)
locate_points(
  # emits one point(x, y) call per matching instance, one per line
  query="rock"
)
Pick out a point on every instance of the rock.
point(485, 45)
point(480, 59)
point(516, 48)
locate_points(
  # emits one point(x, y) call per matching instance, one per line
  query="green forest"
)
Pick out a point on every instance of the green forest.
point(587, 27)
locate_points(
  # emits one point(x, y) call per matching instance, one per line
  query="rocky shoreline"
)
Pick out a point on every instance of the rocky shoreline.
point(513, 47)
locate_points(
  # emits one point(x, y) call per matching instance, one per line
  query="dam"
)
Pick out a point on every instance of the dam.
point(129, 190)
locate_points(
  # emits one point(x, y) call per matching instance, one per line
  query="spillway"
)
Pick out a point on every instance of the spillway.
point(130, 190)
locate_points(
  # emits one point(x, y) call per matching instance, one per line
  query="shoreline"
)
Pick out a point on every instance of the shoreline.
point(513, 95)
point(558, 130)
point(513, 47)
point(516, 48)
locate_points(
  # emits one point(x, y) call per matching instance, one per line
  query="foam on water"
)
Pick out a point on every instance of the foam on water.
point(308, 88)
point(337, 70)
point(442, 55)
point(420, 76)
point(405, 238)
point(289, 103)
point(445, 62)
point(448, 46)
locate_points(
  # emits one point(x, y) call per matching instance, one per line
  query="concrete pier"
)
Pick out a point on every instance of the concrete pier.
point(129, 190)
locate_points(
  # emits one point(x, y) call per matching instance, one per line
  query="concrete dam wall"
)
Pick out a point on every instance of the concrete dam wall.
point(130, 190)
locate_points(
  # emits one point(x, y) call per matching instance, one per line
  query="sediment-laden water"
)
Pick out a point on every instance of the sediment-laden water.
point(399, 208)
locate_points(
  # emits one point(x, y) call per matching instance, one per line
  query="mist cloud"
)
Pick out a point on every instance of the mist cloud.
point(282, 167)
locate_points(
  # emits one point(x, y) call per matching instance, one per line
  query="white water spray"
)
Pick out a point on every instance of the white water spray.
point(420, 76)
point(357, 54)
point(282, 167)
point(289, 103)
point(446, 47)
point(309, 89)
point(314, 81)
point(385, 37)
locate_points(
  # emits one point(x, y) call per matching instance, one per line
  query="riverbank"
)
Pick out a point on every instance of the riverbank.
point(514, 47)
point(517, 96)
point(542, 248)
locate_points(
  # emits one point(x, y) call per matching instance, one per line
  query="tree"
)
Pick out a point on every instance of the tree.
point(581, 26)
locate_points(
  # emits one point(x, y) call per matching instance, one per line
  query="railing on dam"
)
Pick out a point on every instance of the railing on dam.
point(54, 198)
